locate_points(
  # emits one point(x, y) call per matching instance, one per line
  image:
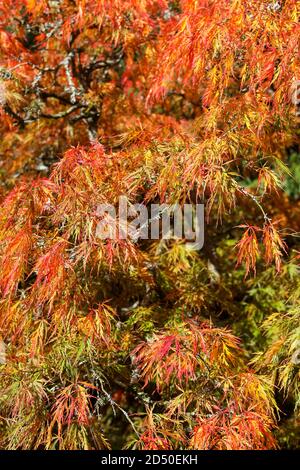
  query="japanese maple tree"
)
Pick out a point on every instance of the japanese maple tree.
point(148, 344)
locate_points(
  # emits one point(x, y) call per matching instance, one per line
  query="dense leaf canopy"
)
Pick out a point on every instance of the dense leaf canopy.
point(149, 344)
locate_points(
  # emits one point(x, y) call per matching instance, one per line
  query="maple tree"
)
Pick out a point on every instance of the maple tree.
point(148, 344)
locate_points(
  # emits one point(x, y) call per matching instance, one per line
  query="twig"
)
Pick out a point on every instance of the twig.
point(113, 403)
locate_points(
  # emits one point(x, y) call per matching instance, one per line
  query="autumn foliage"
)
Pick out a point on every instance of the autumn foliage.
point(147, 344)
